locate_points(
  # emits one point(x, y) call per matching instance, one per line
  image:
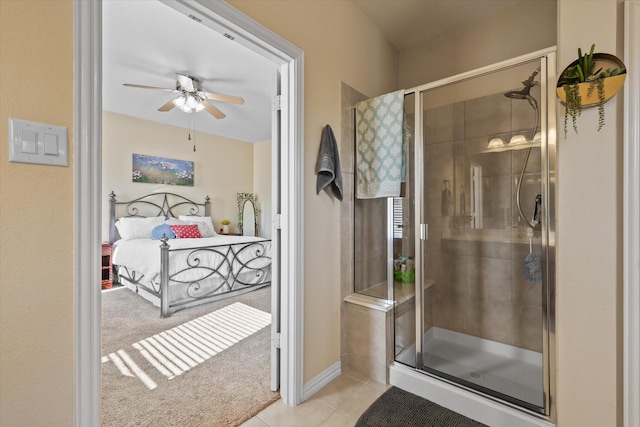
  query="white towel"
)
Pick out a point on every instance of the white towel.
point(380, 146)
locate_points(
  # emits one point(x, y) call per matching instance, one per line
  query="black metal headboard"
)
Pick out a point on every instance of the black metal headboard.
point(153, 204)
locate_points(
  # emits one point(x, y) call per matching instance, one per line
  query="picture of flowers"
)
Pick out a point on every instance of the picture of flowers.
point(158, 170)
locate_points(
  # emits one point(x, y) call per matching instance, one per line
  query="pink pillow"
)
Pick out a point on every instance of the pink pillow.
point(186, 231)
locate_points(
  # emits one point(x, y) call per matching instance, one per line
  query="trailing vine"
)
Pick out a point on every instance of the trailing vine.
point(583, 71)
point(573, 106)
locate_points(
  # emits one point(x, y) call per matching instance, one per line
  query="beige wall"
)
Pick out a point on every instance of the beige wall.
point(589, 234)
point(223, 167)
point(525, 27)
point(262, 185)
point(339, 44)
point(36, 220)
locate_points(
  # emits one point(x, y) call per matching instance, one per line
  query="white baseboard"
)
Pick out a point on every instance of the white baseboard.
point(321, 380)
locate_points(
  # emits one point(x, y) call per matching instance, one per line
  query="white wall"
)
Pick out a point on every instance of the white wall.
point(262, 185)
point(223, 167)
point(589, 234)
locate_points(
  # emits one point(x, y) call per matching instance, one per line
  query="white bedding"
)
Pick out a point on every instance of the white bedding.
point(142, 256)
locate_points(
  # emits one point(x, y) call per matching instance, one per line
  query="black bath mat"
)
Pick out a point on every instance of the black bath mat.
point(397, 407)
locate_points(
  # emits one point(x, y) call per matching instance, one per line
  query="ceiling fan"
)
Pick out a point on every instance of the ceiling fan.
point(191, 97)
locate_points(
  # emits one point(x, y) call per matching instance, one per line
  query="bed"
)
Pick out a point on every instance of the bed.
point(166, 250)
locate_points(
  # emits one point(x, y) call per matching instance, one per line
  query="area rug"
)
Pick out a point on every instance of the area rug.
point(397, 407)
point(203, 366)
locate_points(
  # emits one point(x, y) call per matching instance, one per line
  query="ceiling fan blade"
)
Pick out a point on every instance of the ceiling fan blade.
point(149, 87)
point(212, 110)
point(168, 106)
point(224, 98)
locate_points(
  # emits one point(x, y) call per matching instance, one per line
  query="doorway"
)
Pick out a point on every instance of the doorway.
point(87, 175)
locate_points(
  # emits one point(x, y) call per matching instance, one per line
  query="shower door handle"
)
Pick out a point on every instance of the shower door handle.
point(424, 231)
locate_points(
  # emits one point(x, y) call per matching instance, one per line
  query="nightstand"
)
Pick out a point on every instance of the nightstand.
point(106, 269)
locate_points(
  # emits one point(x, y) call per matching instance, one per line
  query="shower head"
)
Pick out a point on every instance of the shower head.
point(518, 94)
point(524, 92)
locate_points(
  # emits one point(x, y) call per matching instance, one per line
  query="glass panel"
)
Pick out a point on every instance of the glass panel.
point(404, 253)
point(483, 300)
point(370, 247)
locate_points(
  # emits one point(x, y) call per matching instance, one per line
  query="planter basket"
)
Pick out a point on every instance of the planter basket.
point(611, 84)
point(596, 90)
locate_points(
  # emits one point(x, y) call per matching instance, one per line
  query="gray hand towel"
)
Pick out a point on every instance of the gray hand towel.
point(328, 164)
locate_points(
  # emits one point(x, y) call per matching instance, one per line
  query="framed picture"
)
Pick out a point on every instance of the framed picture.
point(160, 170)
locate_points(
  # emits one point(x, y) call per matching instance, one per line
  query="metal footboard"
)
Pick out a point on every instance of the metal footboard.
point(238, 267)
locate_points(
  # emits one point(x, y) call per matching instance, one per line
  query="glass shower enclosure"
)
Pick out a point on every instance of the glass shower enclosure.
point(468, 253)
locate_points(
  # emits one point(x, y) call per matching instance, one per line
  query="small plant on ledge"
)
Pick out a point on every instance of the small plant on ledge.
point(225, 222)
point(581, 79)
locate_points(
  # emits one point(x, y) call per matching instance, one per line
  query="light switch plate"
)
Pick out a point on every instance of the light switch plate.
point(40, 143)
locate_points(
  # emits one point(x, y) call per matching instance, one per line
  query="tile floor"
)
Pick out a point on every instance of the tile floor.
point(339, 404)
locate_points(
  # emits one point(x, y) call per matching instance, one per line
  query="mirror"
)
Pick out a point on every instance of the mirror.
point(248, 228)
point(248, 214)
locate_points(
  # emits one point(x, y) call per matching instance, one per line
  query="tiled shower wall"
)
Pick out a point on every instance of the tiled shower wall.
point(479, 287)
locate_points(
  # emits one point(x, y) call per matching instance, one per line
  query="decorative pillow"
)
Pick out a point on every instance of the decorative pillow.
point(189, 231)
point(205, 231)
point(203, 222)
point(162, 230)
point(131, 228)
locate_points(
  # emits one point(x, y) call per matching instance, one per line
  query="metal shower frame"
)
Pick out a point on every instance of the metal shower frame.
point(547, 75)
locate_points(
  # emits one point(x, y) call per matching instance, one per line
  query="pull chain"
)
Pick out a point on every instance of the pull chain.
point(189, 130)
point(194, 132)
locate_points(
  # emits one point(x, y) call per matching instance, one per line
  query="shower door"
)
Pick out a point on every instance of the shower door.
point(485, 161)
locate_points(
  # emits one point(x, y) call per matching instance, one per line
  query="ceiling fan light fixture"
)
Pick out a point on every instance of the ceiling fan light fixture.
point(191, 102)
point(188, 103)
point(180, 101)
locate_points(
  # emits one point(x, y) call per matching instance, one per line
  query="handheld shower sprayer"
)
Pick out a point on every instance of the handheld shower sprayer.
point(524, 94)
point(535, 219)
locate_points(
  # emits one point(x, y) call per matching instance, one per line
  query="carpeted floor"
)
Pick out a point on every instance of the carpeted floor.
point(397, 407)
point(224, 388)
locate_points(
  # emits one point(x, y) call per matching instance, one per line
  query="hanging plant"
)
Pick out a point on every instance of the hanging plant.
point(578, 83)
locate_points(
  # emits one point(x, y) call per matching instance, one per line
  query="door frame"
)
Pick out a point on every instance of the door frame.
point(87, 175)
point(631, 217)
